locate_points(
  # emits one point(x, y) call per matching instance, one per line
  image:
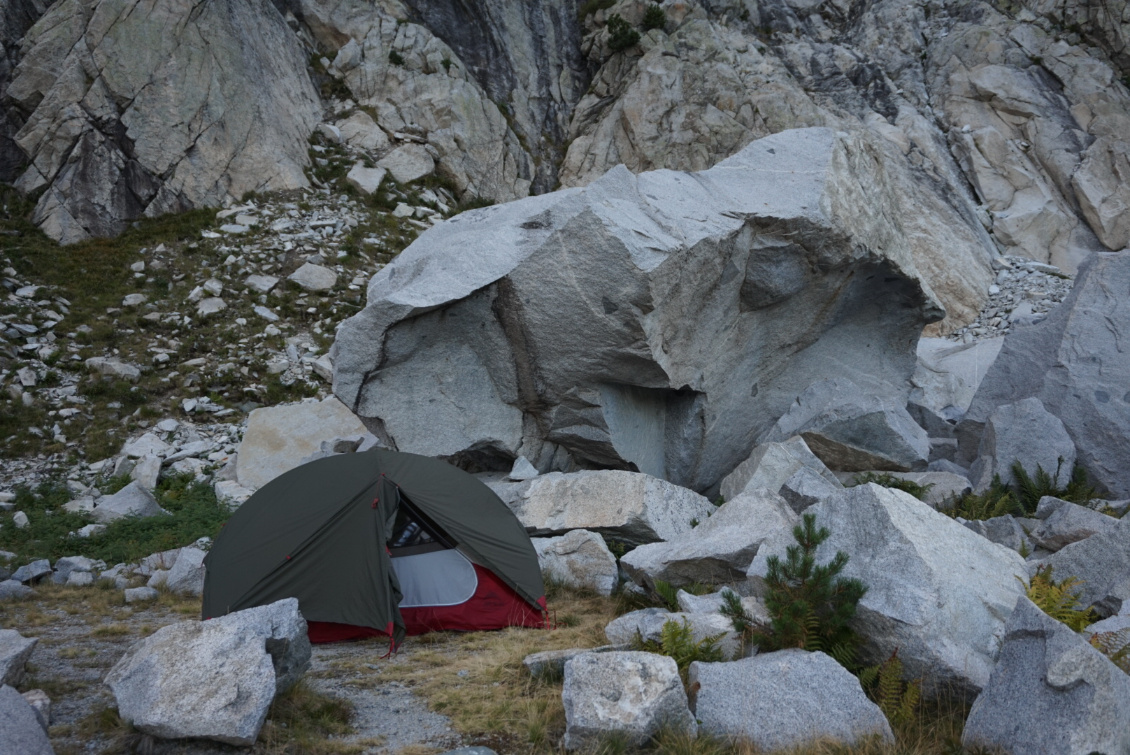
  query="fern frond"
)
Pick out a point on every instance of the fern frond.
point(1059, 599)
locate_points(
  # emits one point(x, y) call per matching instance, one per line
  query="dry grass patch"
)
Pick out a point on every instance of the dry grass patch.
point(111, 630)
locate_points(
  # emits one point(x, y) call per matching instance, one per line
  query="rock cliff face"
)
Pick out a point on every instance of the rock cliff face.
point(660, 322)
point(139, 107)
point(16, 17)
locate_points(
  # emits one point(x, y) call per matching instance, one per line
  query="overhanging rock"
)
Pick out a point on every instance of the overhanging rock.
point(659, 322)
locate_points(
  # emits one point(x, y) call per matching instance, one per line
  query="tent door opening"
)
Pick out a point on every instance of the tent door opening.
point(431, 571)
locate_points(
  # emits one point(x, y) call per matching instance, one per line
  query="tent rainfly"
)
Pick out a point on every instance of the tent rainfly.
point(378, 543)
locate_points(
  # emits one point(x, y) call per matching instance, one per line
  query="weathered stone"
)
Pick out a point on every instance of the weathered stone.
point(936, 591)
point(20, 728)
point(313, 277)
point(13, 590)
point(147, 471)
point(361, 131)
point(632, 507)
point(1025, 432)
point(626, 693)
point(662, 312)
point(147, 445)
point(261, 283)
point(1051, 693)
point(408, 163)
point(14, 652)
point(69, 565)
point(365, 180)
point(278, 438)
point(578, 558)
point(551, 663)
point(944, 487)
point(784, 699)
point(284, 632)
point(1070, 523)
point(771, 465)
point(132, 500)
point(522, 470)
point(138, 143)
point(113, 368)
point(187, 575)
point(36, 570)
point(1102, 564)
point(853, 431)
point(1002, 530)
point(41, 704)
point(717, 551)
point(948, 373)
point(807, 487)
point(646, 624)
point(141, 594)
point(1072, 362)
point(210, 306)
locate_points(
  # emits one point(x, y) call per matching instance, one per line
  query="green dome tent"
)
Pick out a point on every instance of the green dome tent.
point(378, 542)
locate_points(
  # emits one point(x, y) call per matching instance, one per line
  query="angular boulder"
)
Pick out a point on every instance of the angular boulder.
point(852, 430)
point(936, 592)
point(805, 488)
point(132, 500)
point(1070, 523)
point(578, 558)
point(784, 699)
point(771, 465)
point(279, 438)
point(1102, 563)
point(117, 130)
point(625, 693)
point(631, 507)
point(187, 575)
point(1025, 432)
point(949, 373)
point(696, 303)
point(719, 550)
point(14, 652)
point(1075, 364)
point(646, 624)
point(1051, 693)
point(211, 679)
point(33, 572)
point(21, 730)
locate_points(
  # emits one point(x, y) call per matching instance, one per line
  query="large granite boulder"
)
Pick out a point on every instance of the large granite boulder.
point(578, 558)
point(625, 693)
point(782, 700)
point(1051, 693)
point(21, 730)
point(216, 102)
point(719, 549)
point(697, 304)
point(852, 430)
point(936, 592)
point(1074, 363)
point(948, 373)
point(212, 679)
point(1026, 432)
point(629, 506)
point(1069, 523)
point(771, 465)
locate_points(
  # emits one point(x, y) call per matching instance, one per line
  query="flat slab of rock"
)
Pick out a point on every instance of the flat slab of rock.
point(629, 506)
point(784, 699)
point(626, 693)
point(852, 430)
point(314, 278)
point(408, 163)
point(551, 663)
point(771, 465)
point(113, 368)
point(278, 438)
point(647, 624)
point(30, 573)
point(365, 180)
point(695, 314)
point(21, 731)
point(1051, 693)
point(948, 373)
point(578, 558)
point(719, 550)
point(14, 652)
point(937, 592)
point(1070, 523)
point(132, 500)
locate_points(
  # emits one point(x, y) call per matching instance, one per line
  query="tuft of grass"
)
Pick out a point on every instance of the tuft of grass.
point(888, 480)
point(304, 720)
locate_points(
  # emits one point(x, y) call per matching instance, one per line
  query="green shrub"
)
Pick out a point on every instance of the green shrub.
point(677, 641)
point(1023, 496)
point(809, 606)
point(621, 35)
point(888, 480)
point(654, 18)
point(395, 58)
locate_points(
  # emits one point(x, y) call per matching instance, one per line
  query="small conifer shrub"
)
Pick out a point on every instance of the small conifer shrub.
point(654, 18)
point(621, 35)
point(810, 605)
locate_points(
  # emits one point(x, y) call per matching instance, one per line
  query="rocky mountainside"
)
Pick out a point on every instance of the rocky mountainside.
point(1006, 124)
